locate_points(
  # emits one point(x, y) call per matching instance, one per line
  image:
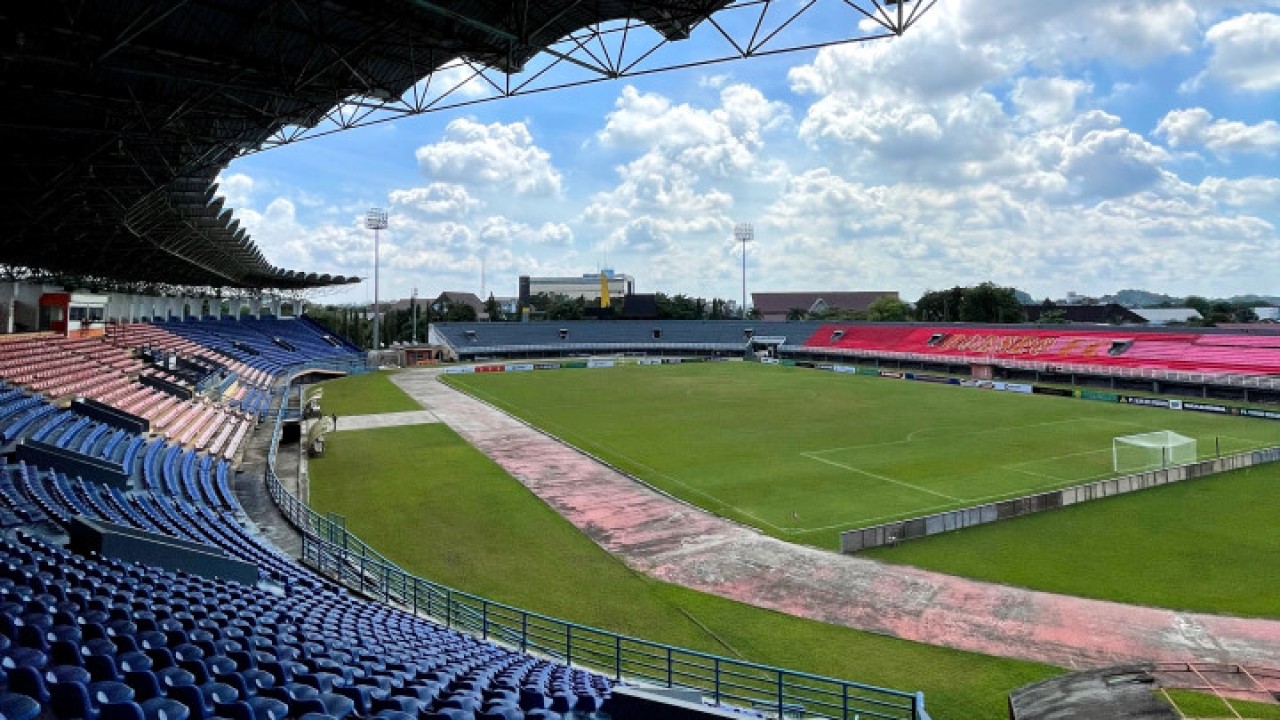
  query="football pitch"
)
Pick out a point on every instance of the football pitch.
point(803, 454)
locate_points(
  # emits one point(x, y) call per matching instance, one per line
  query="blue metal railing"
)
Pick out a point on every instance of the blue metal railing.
point(328, 548)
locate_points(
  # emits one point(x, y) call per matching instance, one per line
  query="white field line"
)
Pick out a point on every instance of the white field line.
point(910, 438)
point(850, 468)
point(1014, 466)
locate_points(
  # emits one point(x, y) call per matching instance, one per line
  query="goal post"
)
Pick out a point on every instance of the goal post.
point(1151, 451)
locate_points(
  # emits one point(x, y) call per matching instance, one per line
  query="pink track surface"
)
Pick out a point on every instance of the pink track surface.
point(675, 542)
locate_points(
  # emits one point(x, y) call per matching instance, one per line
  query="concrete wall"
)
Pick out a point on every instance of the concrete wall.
point(889, 533)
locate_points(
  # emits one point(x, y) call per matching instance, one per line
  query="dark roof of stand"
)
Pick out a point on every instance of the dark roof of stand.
point(119, 115)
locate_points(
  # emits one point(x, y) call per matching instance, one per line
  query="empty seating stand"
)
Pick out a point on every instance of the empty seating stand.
point(1223, 354)
point(115, 638)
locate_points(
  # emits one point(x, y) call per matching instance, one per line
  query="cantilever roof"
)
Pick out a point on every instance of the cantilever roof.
point(118, 116)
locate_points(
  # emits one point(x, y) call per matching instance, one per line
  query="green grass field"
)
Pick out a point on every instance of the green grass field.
point(365, 395)
point(1206, 545)
point(803, 455)
point(440, 509)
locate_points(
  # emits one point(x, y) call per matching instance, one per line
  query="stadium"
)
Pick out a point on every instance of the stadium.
point(213, 506)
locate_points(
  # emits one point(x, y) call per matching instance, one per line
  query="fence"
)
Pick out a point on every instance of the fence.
point(328, 548)
point(894, 532)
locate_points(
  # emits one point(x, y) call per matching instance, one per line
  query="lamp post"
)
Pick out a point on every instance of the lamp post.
point(744, 233)
point(375, 220)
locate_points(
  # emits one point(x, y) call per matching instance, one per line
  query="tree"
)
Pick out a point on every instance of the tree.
point(1245, 314)
point(562, 308)
point(940, 305)
point(680, 307)
point(991, 303)
point(796, 313)
point(888, 308)
point(460, 312)
point(539, 302)
point(1200, 305)
point(493, 309)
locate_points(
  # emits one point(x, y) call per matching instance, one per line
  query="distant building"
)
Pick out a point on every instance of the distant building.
point(585, 286)
point(640, 307)
point(1266, 313)
point(449, 298)
point(1169, 316)
point(776, 306)
point(1075, 298)
point(1105, 314)
point(508, 304)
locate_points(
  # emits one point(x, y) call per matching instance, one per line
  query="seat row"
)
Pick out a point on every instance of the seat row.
point(90, 637)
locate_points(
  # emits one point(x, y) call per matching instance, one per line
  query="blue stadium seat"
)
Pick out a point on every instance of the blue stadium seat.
point(16, 706)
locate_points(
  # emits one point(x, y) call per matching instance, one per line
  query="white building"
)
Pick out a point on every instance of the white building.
point(585, 286)
point(1167, 316)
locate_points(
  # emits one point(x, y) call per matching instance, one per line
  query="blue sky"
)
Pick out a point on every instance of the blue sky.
point(1050, 146)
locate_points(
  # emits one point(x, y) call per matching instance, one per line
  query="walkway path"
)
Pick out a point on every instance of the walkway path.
point(368, 422)
point(675, 542)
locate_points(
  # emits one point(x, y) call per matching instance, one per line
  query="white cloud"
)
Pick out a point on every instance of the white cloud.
point(1257, 193)
point(963, 45)
point(436, 199)
point(496, 157)
point(1108, 162)
point(953, 140)
point(498, 231)
point(1048, 100)
point(996, 140)
point(235, 188)
point(1196, 127)
point(719, 141)
point(1245, 53)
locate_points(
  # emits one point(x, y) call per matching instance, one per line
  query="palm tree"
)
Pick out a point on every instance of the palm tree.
point(796, 314)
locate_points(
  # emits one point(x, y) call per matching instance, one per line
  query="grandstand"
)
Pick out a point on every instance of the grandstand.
point(1206, 354)
point(1203, 362)
point(472, 341)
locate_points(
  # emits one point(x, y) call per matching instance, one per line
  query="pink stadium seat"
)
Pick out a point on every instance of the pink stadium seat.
point(1172, 351)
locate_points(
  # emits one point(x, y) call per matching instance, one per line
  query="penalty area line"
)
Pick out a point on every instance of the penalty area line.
point(908, 485)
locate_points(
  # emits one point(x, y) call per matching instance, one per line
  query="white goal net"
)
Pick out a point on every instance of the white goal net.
point(1151, 451)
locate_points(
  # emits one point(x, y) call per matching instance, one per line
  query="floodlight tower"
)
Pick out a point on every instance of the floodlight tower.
point(744, 233)
point(375, 220)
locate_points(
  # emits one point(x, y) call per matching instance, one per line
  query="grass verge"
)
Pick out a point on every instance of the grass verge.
point(1206, 545)
point(1204, 705)
point(366, 394)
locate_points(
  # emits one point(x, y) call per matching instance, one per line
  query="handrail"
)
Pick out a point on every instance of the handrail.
point(330, 549)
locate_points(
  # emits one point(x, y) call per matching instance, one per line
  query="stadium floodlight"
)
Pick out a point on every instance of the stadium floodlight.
point(744, 233)
point(375, 220)
point(1151, 451)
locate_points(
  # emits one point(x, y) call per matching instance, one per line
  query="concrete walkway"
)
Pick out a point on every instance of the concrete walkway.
point(368, 422)
point(672, 541)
